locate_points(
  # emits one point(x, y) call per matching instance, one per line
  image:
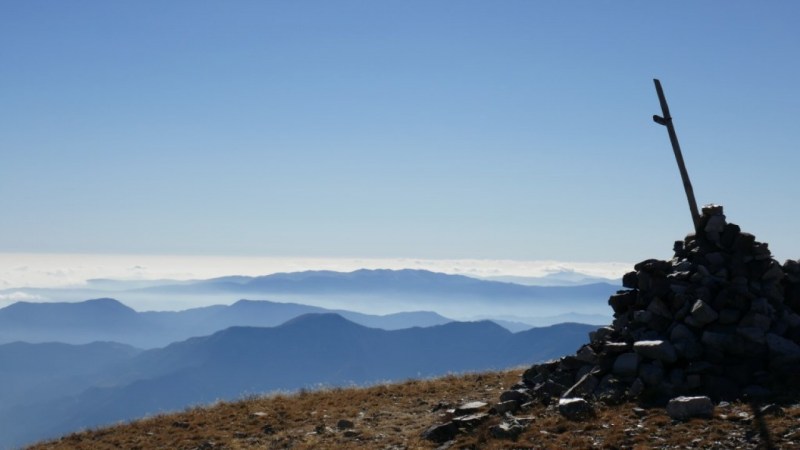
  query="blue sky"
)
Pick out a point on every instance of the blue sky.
point(513, 130)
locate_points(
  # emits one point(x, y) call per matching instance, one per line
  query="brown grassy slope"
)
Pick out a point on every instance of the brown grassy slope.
point(393, 416)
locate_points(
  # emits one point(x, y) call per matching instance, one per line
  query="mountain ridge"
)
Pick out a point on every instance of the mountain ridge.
point(110, 320)
point(306, 352)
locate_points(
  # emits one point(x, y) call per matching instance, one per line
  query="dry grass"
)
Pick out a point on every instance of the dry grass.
point(392, 416)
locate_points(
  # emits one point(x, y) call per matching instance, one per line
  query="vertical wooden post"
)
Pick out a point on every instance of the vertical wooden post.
point(666, 120)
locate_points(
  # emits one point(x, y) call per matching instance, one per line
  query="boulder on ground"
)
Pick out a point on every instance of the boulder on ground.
point(682, 408)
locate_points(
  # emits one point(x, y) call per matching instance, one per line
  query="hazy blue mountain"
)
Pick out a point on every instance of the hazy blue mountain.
point(515, 324)
point(110, 320)
point(308, 351)
point(34, 372)
point(395, 282)
point(370, 291)
point(102, 319)
point(560, 278)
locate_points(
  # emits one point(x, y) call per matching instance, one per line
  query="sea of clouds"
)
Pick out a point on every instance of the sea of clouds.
point(42, 270)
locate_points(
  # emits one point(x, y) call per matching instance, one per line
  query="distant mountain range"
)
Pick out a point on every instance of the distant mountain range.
point(370, 291)
point(307, 351)
point(560, 278)
point(394, 282)
point(109, 320)
point(76, 363)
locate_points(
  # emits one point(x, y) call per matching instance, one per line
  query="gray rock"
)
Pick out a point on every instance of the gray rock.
point(644, 281)
point(586, 354)
point(651, 374)
point(716, 224)
point(679, 288)
point(761, 251)
point(782, 347)
point(752, 334)
point(588, 368)
point(682, 408)
point(506, 406)
point(622, 301)
point(703, 313)
point(689, 349)
point(344, 424)
point(575, 408)
point(507, 430)
point(773, 410)
point(694, 381)
point(677, 376)
point(715, 258)
point(658, 308)
point(717, 341)
point(611, 390)
point(441, 433)
point(712, 209)
point(585, 386)
point(630, 280)
point(792, 319)
point(780, 327)
point(729, 316)
point(774, 273)
point(600, 335)
point(616, 347)
point(761, 305)
point(642, 316)
point(656, 350)
point(680, 332)
point(544, 390)
point(683, 265)
point(627, 364)
point(752, 319)
point(637, 387)
point(470, 421)
point(700, 367)
point(470, 408)
point(520, 396)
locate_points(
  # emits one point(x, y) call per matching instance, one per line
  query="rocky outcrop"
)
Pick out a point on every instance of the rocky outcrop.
point(718, 321)
point(721, 318)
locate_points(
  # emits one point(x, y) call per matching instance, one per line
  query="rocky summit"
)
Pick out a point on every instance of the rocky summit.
point(720, 321)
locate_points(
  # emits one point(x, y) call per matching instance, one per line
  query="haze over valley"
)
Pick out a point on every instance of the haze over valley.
point(99, 361)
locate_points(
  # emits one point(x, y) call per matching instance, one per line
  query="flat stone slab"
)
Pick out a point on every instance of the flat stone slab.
point(507, 430)
point(782, 346)
point(470, 408)
point(575, 408)
point(682, 408)
point(441, 432)
point(656, 350)
point(626, 364)
point(471, 420)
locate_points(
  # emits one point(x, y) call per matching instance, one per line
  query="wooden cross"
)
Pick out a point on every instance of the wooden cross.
point(666, 120)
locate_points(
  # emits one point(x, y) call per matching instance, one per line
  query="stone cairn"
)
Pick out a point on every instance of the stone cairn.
point(719, 321)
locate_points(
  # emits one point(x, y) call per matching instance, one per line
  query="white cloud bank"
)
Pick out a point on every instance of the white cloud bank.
point(18, 296)
point(61, 270)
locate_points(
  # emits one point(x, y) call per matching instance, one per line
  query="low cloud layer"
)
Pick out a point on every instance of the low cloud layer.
point(16, 296)
point(19, 270)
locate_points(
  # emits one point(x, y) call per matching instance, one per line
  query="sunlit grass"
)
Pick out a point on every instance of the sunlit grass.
point(392, 416)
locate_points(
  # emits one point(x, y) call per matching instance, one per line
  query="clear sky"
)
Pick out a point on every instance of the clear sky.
point(513, 130)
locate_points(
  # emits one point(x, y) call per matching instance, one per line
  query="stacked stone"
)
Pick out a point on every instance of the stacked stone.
point(721, 318)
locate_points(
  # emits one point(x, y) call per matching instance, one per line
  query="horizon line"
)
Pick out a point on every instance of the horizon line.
point(42, 270)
